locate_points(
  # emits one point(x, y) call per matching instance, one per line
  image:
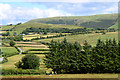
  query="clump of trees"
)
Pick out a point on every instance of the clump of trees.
point(6, 34)
point(70, 58)
point(16, 38)
point(29, 61)
point(55, 30)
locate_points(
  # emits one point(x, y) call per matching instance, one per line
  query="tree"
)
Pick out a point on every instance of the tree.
point(64, 57)
point(29, 61)
point(45, 31)
point(12, 43)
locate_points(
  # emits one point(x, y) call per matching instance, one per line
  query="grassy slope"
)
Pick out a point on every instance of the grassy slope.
point(115, 26)
point(7, 27)
point(9, 50)
point(94, 21)
point(19, 28)
point(91, 38)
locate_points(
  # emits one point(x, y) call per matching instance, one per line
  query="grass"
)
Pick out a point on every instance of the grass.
point(7, 27)
point(71, 21)
point(9, 51)
point(94, 21)
point(32, 45)
point(65, 76)
point(19, 28)
point(38, 52)
point(29, 37)
point(91, 38)
point(26, 48)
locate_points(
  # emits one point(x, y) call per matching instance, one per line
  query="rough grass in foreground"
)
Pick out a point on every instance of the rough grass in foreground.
point(65, 76)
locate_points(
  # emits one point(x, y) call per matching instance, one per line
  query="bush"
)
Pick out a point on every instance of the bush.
point(29, 61)
point(12, 43)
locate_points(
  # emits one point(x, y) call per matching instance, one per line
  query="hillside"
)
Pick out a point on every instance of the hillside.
point(19, 28)
point(94, 21)
point(115, 26)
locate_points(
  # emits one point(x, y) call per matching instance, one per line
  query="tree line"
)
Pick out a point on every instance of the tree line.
point(55, 30)
point(73, 58)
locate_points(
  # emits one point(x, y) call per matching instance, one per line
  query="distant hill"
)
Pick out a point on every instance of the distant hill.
point(72, 22)
point(94, 21)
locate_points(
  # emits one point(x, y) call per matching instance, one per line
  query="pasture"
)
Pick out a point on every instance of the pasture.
point(9, 51)
point(90, 38)
point(30, 44)
point(29, 37)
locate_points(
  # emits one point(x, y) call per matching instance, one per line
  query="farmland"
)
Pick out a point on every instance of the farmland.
point(38, 42)
point(9, 51)
point(91, 38)
point(29, 37)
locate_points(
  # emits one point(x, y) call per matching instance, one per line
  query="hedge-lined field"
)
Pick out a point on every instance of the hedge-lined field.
point(9, 51)
point(91, 38)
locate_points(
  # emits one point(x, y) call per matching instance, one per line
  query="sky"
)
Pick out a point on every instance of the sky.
point(13, 12)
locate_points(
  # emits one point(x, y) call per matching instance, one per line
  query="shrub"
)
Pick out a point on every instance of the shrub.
point(12, 43)
point(29, 61)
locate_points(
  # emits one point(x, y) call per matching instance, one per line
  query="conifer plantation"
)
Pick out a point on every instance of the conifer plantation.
point(71, 58)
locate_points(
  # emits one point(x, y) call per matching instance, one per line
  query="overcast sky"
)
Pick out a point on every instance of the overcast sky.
point(12, 12)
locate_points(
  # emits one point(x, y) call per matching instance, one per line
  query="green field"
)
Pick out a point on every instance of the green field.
point(9, 51)
point(91, 38)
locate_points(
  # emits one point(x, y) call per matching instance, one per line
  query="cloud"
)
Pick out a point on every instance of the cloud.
point(9, 13)
point(12, 15)
point(112, 9)
point(70, 1)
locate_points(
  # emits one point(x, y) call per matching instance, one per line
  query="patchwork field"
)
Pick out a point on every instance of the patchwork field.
point(28, 45)
point(29, 37)
point(90, 38)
